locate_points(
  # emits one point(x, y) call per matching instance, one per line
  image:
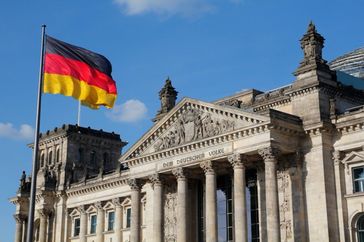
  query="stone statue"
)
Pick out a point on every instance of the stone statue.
point(167, 96)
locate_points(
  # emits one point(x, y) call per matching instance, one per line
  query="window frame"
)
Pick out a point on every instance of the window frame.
point(108, 220)
point(92, 230)
point(359, 180)
point(74, 226)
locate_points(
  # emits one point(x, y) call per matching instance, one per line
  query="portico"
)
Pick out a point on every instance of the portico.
point(258, 143)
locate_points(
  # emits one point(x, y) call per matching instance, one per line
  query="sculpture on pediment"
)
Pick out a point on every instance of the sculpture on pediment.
point(193, 125)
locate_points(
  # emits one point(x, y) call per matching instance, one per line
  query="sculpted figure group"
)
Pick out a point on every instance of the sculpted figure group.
point(193, 125)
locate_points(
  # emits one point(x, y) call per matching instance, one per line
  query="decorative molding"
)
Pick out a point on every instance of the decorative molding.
point(117, 202)
point(237, 160)
point(156, 179)
point(180, 173)
point(208, 167)
point(20, 218)
point(134, 184)
point(269, 154)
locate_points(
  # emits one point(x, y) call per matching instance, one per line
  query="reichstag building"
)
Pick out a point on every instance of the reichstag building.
point(282, 165)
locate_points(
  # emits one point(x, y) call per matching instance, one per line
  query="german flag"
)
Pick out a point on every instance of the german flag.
point(74, 71)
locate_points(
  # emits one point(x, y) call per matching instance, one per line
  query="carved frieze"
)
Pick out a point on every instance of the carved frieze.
point(193, 124)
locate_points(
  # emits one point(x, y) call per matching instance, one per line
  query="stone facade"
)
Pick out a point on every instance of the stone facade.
point(283, 165)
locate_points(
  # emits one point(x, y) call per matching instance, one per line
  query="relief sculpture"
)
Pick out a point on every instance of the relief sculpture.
point(193, 125)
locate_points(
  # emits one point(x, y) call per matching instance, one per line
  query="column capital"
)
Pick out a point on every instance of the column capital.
point(116, 201)
point(237, 160)
point(269, 154)
point(336, 156)
point(44, 212)
point(180, 173)
point(98, 205)
point(156, 179)
point(134, 184)
point(208, 167)
point(82, 209)
point(20, 218)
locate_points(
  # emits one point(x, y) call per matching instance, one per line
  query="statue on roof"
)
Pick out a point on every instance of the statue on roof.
point(167, 96)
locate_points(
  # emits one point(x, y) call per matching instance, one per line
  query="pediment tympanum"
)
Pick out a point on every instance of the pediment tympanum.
point(190, 121)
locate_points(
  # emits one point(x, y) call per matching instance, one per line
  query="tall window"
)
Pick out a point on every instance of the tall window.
point(360, 228)
point(110, 221)
point(358, 177)
point(128, 216)
point(252, 206)
point(50, 156)
point(93, 222)
point(76, 227)
point(57, 155)
point(224, 209)
point(42, 160)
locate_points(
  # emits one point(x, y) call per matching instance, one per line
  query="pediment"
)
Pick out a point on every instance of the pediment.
point(189, 121)
point(353, 157)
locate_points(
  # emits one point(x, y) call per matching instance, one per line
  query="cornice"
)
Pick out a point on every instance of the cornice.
point(210, 142)
point(91, 188)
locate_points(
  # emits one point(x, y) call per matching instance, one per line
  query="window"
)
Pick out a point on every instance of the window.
point(50, 154)
point(128, 216)
point(93, 223)
point(224, 209)
point(42, 160)
point(110, 221)
point(358, 177)
point(76, 227)
point(360, 228)
point(80, 155)
point(58, 155)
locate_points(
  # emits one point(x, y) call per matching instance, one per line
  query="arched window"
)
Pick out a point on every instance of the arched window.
point(360, 228)
point(42, 160)
point(50, 154)
point(58, 155)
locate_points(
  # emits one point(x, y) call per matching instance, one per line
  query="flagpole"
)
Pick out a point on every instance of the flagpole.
point(79, 113)
point(36, 141)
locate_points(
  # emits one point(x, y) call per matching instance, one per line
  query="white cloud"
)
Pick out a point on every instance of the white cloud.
point(186, 8)
point(25, 132)
point(132, 110)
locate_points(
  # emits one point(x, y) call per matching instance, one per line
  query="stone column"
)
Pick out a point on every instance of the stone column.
point(44, 215)
point(18, 227)
point(25, 227)
point(135, 210)
point(83, 223)
point(100, 222)
point(271, 193)
point(240, 221)
point(182, 190)
point(157, 208)
point(118, 219)
point(210, 201)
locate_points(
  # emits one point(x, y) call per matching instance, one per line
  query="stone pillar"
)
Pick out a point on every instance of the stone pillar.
point(240, 221)
point(18, 227)
point(157, 208)
point(210, 201)
point(182, 191)
point(271, 193)
point(83, 223)
point(43, 215)
point(118, 219)
point(135, 210)
point(25, 229)
point(100, 222)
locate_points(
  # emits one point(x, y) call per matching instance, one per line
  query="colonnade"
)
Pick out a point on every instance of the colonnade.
point(237, 161)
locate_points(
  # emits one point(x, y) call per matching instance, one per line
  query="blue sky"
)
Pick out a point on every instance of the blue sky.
point(209, 49)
